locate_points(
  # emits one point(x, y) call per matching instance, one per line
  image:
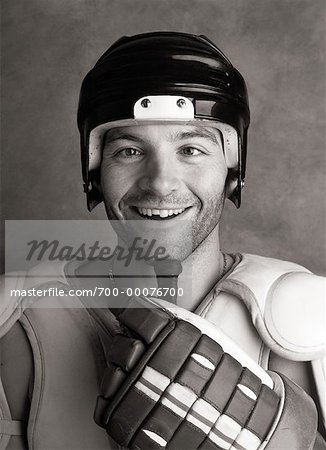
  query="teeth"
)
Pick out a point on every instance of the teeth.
point(160, 212)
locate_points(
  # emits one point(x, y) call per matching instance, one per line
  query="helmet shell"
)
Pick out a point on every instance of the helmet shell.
point(157, 64)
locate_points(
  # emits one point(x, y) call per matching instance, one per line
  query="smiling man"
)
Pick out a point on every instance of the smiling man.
point(233, 357)
point(175, 175)
point(163, 121)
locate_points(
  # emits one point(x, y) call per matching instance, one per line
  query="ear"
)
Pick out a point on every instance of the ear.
point(231, 182)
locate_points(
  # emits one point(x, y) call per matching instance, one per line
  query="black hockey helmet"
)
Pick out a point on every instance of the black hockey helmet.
point(159, 77)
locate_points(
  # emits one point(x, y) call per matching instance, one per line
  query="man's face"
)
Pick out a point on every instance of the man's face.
point(170, 174)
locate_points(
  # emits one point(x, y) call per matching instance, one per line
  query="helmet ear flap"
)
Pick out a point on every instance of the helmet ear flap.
point(235, 178)
point(93, 191)
point(235, 196)
point(233, 186)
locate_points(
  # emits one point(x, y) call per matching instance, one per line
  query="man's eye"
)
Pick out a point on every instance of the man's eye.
point(129, 152)
point(190, 151)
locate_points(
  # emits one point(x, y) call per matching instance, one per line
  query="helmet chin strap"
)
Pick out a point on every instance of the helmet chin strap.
point(167, 272)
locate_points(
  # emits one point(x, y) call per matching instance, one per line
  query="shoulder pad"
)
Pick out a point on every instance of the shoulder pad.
point(39, 276)
point(258, 273)
point(286, 303)
point(9, 305)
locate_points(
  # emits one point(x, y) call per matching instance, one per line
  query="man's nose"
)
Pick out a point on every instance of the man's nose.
point(160, 176)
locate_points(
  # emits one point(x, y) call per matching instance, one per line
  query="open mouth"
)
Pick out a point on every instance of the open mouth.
point(159, 214)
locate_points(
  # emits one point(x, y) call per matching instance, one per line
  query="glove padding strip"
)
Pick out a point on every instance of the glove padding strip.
point(202, 415)
point(187, 437)
point(152, 383)
point(174, 351)
point(149, 440)
point(162, 422)
point(243, 398)
point(264, 412)
point(224, 431)
point(209, 445)
point(199, 368)
point(178, 398)
point(227, 375)
point(131, 413)
point(246, 440)
point(240, 406)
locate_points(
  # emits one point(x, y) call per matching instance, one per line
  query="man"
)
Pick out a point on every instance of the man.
point(163, 119)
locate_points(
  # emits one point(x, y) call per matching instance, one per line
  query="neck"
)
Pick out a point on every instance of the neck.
point(200, 272)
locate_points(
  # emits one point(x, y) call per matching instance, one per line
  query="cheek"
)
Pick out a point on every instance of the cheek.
point(209, 181)
point(114, 183)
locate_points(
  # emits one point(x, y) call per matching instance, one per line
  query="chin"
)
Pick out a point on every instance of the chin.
point(154, 241)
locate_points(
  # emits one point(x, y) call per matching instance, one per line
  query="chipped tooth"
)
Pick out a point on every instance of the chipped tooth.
point(160, 212)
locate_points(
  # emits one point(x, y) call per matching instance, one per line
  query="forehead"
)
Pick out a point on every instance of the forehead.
point(168, 132)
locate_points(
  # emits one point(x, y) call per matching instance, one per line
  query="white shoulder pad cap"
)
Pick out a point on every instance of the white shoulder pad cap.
point(295, 314)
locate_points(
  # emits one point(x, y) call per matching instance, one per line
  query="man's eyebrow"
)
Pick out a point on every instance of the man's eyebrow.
point(197, 132)
point(115, 135)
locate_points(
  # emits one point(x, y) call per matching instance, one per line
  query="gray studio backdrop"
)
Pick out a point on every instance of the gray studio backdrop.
point(278, 45)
